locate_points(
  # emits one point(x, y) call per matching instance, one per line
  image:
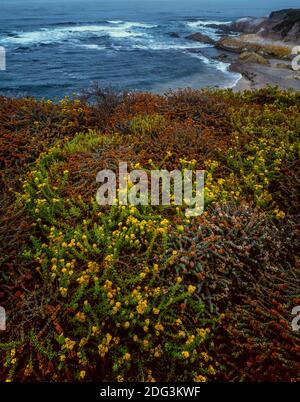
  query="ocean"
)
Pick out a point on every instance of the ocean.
point(60, 47)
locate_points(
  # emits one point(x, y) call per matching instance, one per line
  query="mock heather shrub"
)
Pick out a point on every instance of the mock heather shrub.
point(144, 293)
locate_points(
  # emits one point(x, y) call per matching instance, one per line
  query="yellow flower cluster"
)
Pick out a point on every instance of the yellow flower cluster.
point(279, 214)
point(81, 316)
point(200, 378)
point(68, 344)
point(142, 306)
point(185, 354)
point(104, 346)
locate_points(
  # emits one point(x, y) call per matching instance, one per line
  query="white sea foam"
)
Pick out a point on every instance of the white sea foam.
point(94, 47)
point(155, 45)
point(115, 22)
point(198, 23)
point(58, 34)
point(220, 65)
point(204, 28)
point(233, 78)
point(139, 25)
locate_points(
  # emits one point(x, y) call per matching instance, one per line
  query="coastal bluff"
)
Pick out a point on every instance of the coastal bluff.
point(280, 25)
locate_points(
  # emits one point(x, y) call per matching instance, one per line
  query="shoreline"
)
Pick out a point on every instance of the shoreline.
point(242, 85)
point(263, 50)
point(256, 76)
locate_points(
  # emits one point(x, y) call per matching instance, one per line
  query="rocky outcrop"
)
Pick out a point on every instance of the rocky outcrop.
point(221, 29)
point(231, 45)
point(262, 53)
point(251, 57)
point(254, 43)
point(280, 25)
point(223, 57)
point(284, 24)
point(284, 65)
point(249, 25)
point(199, 37)
point(174, 34)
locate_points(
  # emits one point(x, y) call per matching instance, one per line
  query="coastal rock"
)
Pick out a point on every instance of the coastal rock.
point(249, 24)
point(174, 34)
point(284, 65)
point(251, 57)
point(283, 24)
point(231, 44)
point(293, 77)
point(221, 29)
point(223, 57)
point(280, 25)
point(254, 43)
point(294, 33)
point(199, 37)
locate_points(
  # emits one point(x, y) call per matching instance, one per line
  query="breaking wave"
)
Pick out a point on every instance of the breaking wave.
point(113, 29)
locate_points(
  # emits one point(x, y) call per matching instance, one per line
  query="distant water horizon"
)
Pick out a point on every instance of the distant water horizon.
point(59, 47)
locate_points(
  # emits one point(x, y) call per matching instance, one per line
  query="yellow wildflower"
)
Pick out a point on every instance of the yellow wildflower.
point(185, 354)
point(191, 289)
point(82, 374)
point(200, 378)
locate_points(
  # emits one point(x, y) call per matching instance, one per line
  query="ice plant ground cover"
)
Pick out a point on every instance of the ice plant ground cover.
point(124, 293)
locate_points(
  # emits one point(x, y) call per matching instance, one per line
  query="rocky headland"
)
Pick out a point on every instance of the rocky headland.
point(260, 49)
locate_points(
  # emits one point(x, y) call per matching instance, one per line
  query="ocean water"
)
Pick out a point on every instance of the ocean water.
point(58, 47)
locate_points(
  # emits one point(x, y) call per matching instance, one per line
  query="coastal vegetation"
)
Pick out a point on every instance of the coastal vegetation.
point(144, 293)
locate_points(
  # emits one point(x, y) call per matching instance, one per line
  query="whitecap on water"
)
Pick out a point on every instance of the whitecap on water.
point(115, 22)
point(155, 45)
point(205, 27)
point(93, 46)
point(199, 23)
point(58, 34)
point(232, 78)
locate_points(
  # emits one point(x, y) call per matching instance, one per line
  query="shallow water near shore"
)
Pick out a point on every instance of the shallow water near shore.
point(60, 47)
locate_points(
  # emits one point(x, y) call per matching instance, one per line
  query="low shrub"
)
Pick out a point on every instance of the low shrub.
point(145, 293)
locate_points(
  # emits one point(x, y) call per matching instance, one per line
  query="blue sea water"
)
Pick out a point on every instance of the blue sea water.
point(58, 47)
